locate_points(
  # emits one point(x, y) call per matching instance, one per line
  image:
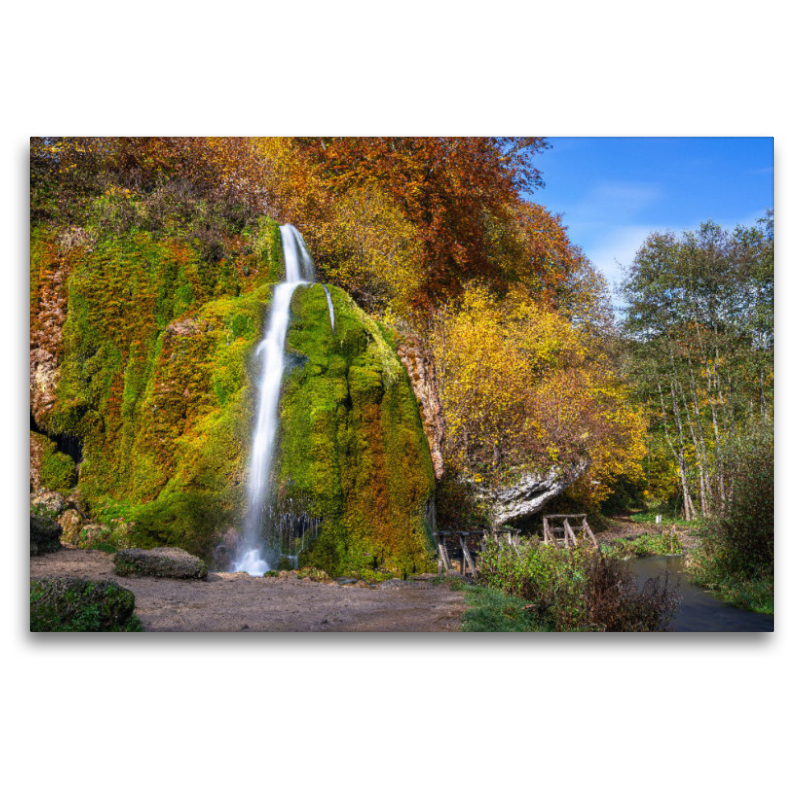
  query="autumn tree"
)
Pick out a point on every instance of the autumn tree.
point(524, 390)
point(700, 330)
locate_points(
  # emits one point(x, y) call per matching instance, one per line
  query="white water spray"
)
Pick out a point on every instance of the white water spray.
point(252, 555)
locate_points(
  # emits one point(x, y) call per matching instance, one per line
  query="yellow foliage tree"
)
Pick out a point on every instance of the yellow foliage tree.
point(523, 389)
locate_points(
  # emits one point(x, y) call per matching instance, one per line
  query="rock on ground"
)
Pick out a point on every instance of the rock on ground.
point(76, 604)
point(160, 562)
point(71, 523)
point(45, 535)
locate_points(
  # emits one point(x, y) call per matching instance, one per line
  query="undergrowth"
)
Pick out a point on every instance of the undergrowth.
point(539, 587)
point(736, 559)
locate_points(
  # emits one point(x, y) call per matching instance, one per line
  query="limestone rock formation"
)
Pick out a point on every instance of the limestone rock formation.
point(71, 523)
point(142, 353)
point(529, 493)
point(422, 375)
point(46, 503)
point(160, 562)
point(353, 451)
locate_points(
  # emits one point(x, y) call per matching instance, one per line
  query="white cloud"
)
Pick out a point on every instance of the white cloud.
point(615, 249)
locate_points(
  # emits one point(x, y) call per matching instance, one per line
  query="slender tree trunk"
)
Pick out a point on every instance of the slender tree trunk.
point(677, 452)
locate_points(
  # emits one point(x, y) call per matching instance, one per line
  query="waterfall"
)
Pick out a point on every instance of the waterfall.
point(330, 307)
point(254, 553)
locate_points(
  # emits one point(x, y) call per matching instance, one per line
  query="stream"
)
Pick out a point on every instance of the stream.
point(699, 610)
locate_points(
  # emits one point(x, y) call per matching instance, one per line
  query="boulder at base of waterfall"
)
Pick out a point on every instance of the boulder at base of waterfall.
point(45, 503)
point(529, 493)
point(71, 523)
point(75, 604)
point(160, 562)
point(45, 535)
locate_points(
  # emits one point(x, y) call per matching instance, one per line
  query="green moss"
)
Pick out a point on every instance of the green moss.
point(352, 445)
point(75, 604)
point(45, 533)
point(157, 381)
point(154, 373)
point(57, 471)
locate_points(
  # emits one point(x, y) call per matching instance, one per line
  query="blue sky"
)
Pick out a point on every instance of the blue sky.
point(613, 192)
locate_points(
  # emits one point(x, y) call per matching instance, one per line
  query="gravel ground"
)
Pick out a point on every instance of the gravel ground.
point(239, 602)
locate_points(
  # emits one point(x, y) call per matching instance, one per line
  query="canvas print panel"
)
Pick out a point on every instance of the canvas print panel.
point(401, 384)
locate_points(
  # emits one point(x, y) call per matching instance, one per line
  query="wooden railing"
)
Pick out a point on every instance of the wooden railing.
point(570, 539)
point(512, 536)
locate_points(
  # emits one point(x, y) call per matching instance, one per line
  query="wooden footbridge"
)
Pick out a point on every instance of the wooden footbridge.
point(552, 524)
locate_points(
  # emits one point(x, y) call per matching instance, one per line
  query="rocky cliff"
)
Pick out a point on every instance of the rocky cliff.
point(141, 351)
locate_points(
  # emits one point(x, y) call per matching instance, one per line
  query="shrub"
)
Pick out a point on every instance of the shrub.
point(737, 557)
point(743, 532)
point(550, 578)
point(573, 589)
point(614, 603)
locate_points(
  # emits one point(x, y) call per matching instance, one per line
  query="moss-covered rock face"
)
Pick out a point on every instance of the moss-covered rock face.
point(146, 347)
point(50, 468)
point(141, 351)
point(352, 449)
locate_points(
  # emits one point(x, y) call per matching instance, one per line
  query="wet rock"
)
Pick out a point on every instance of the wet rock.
point(76, 604)
point(315, 574)
point(45, 535)
point(71, 523)
point(45, 503)
point(160, 562)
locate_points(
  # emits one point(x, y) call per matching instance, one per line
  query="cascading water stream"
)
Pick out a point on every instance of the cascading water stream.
point(253, 553)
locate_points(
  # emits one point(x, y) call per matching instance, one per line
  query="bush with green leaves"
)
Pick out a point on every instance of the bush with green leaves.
point(567, 589)
point(737, 557)
point(548, 577)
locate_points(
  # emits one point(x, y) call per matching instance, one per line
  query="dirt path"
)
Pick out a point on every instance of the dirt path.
point(227, 602)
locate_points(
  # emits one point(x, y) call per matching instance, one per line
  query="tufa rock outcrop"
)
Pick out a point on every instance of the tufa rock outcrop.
point(142, 350)
point(353, 451)
point(421, 373)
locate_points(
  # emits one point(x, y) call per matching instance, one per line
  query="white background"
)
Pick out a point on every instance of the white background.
point(395, 715)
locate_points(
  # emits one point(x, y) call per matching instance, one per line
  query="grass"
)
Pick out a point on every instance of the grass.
point(491, 610)
point(754, 591)
point(648, 544)
point(538, 587)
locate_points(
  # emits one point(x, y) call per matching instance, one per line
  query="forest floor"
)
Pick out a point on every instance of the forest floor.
point(240, 602)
